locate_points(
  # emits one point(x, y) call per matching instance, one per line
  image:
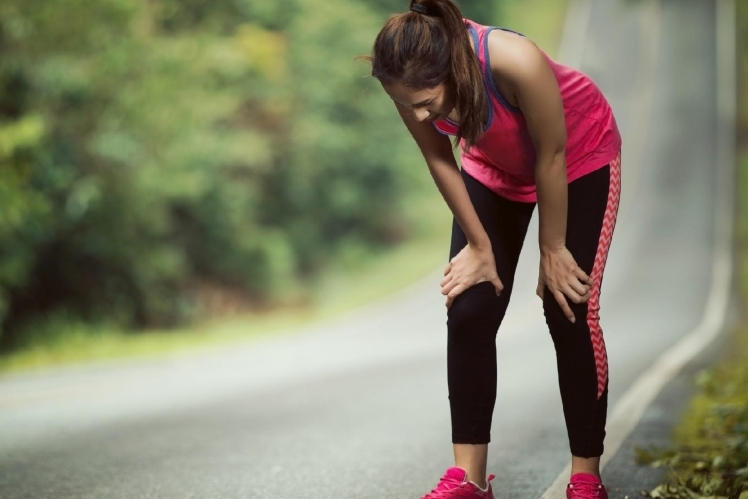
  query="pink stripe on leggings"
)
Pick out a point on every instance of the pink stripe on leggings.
point(603, 245)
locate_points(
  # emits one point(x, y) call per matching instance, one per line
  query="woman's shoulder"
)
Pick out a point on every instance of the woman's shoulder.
point(511, 54)
point(508, 48)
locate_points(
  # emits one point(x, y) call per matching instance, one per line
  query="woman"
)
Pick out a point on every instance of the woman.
point(531, 131)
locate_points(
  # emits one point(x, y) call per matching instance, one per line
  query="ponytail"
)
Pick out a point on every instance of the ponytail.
point(428, 46)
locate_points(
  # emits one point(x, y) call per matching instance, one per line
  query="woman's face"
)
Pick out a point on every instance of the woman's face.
point(429, 104)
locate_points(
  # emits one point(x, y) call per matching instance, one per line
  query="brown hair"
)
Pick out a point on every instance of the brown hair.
point(422, 50)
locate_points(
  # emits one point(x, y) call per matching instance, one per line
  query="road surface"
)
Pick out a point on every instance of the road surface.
point(358, 408)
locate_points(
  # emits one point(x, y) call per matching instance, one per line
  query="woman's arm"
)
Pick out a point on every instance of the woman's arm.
point(529, 78)
point(437, 151)
point(534, 88)
point(476, 263)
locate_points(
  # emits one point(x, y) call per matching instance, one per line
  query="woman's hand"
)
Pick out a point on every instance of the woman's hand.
point(564, 278)
point(469, 267)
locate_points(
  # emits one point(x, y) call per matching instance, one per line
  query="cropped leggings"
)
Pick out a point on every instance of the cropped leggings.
point(475, 315)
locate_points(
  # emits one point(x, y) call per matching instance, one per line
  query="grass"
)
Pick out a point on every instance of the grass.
point(340, 290)
point(709, 458)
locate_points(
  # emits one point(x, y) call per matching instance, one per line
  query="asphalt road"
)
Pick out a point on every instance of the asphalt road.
point(358, 408)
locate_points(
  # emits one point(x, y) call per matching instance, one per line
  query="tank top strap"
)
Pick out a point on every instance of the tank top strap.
point(478, 34)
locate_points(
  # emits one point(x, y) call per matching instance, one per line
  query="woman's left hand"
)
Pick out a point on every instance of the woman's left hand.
point(564, 278)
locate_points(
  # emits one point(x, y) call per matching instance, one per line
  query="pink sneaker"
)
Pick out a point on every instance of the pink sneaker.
point(585, 486)
point(455, 485)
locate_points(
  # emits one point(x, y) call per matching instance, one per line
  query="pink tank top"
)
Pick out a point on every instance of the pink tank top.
point(503, 158)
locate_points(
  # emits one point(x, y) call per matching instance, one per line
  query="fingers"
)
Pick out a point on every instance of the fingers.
point(578, 289)
point(498, 285)
point(565, 280)
point(582, 285)
point(445, 280)
point(454, 293)
point(469, 267)
point(576, 292)
point(582, 276)
point(576, 297)
point(448, 286)
point(561, 299)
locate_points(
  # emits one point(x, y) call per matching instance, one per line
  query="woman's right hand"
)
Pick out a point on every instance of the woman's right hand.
point(468, 268)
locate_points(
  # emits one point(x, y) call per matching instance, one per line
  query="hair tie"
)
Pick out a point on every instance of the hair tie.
point(421, 9)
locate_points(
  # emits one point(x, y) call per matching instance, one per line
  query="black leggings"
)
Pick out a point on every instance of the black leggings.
point(475, 315)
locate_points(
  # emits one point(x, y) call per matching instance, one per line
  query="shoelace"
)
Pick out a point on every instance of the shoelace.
point(447, 484)
point(583, 490)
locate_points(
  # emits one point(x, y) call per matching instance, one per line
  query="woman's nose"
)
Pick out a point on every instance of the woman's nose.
point(421, 114)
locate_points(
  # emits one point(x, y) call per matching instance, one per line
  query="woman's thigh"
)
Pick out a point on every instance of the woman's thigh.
point(505, 223)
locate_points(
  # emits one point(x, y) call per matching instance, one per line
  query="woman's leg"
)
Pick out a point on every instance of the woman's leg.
point(580, 348)
point(473, 320)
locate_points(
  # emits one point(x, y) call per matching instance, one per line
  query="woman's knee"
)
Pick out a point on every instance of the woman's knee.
point(478, 306)
point(555, 315)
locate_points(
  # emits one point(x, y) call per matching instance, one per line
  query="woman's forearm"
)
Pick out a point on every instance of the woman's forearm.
point(449, 181)
point(552, 189)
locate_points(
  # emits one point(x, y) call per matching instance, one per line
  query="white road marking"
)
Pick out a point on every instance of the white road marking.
point(629, 410)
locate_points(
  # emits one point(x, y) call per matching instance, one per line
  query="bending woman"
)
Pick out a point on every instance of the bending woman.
point(531, 131)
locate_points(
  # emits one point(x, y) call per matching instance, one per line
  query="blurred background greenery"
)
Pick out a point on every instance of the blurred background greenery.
point(166, 164)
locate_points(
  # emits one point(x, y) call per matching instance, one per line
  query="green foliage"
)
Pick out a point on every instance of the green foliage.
point(484, 12)
point(149, 147)
point(711, 456)
point(481, 12)
point(155, 153)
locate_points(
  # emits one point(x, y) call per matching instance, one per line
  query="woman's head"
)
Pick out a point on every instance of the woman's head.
point(427, 104)
point(424, 60)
